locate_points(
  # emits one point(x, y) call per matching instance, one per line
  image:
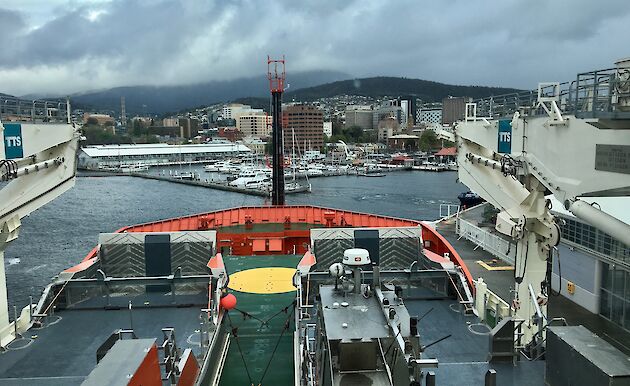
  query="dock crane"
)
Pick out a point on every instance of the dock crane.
point(567, 140)
point(38, 146)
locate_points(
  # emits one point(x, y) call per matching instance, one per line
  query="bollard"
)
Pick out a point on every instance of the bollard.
point(491, 378)
point(430, 378)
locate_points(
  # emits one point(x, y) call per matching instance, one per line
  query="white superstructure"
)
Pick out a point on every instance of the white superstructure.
point(38, 159)
point(569, 143)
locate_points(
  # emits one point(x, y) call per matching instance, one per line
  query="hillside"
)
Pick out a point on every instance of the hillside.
point(306, 86)
point(161, 99)
point(391, 86)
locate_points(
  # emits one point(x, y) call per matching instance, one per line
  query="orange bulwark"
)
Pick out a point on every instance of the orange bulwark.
point(229, 224)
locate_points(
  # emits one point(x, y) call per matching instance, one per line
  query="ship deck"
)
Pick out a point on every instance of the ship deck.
point(257, 323)
point(63, 352)
point(501, 282)
point(463, 357)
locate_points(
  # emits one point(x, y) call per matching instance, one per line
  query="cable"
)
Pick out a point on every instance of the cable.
point(391, 344)
point(519, 280)
point(287, 323)
point(285, 309)
point(248, 315)
point(559, 274)
point(234, 333)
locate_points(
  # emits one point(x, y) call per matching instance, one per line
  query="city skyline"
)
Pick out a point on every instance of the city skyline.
point(69, 46)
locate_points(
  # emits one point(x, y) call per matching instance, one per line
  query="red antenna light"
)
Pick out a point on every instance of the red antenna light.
point(276, 74)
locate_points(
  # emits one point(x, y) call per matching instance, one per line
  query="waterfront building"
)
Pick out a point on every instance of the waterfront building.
point(99, 119)
point(431, 115)
point(256, 124)
point(230, 110)
point(170, 122)
point(454, 109)
point(446, 154)
point(231, 133)
point(404, 142)
point(407, 104)
point(100, 156)
point(234, 110)
point(359, 115)
point(255, 144)
point(387, 127)
point(305, 123)
point(328, 132)
point(388, 110)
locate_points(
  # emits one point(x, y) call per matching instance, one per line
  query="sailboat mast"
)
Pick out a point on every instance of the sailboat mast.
point(276, 76)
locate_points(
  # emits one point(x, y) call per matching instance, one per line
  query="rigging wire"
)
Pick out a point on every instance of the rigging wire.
point(287, 324)
point(234, 332)
point(285, 309)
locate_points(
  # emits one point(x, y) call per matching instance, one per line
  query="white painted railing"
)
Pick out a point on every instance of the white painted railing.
point(448, 210)
point(496, 245)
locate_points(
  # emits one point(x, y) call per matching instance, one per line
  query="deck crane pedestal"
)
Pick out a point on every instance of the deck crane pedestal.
point(566, 140)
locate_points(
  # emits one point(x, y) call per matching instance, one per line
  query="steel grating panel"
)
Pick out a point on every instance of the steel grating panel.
point(191, 251)
point(328, 251)
point(398, 247)
point(398, 252)
point(123, 254)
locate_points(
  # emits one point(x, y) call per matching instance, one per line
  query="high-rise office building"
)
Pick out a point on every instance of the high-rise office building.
point(306, 123)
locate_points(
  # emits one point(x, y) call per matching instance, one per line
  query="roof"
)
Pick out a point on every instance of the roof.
point(403, 136)
point(161, 149)
point(447, 151)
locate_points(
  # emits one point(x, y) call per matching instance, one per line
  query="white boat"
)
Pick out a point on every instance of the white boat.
point(184, 176)
point(314, 172)
point(249, 171)
point(134, 168)
point(259, 181)
point(211, 168)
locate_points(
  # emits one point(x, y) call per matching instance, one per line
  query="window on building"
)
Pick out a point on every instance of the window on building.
point(615, 295)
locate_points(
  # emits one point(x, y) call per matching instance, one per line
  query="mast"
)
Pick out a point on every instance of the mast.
point(276, 76)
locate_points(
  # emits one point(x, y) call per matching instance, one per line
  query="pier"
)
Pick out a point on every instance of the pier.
point(202, 184)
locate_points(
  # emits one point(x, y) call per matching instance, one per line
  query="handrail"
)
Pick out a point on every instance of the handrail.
point(599, 93)
point(17, 109)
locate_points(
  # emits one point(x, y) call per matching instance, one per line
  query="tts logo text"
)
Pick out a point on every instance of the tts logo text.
point(505, 137)
point(13, 141)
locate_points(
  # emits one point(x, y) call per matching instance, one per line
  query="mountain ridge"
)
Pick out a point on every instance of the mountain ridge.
point(307, 86)
point(162, 99)
point(380, 86)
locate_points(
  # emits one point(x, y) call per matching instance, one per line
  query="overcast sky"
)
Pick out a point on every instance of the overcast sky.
point(66, 46)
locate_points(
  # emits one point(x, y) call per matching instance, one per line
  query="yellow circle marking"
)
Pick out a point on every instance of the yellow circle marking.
point(272, 280)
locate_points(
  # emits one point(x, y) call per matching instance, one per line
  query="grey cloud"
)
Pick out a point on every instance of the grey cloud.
point(506, 43)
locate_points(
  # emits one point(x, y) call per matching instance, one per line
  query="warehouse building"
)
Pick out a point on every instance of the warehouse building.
point(99, 156)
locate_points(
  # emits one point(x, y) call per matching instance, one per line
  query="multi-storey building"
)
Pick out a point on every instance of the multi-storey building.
point(431, 115)
point(357, 115)
point(454, 109)
point(328, 132)
point(388, 110)
point(254, 124)
point(305, 123)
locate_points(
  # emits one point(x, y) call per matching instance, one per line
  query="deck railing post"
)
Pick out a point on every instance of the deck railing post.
point(491, 378)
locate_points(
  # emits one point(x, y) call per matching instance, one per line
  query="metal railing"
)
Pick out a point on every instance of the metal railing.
point(496, 245)
point(603, 94)
point(448, 210)
point(594, 94)
point(14, 109)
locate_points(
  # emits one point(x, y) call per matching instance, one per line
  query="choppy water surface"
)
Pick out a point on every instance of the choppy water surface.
point(61, 233)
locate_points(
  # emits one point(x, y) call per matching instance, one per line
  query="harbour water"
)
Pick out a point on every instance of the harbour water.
point(61, 233)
